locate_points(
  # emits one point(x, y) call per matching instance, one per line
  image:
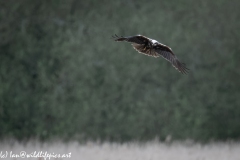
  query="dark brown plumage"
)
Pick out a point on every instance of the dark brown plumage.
point(153, 48)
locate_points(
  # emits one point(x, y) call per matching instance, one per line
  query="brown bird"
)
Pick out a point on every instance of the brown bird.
point(153, 48)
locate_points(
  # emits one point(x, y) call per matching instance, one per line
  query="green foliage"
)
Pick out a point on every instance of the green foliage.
point(61, 75)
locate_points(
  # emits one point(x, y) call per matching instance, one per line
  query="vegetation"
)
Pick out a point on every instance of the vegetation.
point(61, 75)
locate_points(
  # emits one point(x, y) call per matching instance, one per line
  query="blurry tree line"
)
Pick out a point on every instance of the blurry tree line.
point(62, 76)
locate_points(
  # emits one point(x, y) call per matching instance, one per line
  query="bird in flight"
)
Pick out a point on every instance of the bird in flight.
point(153, 48)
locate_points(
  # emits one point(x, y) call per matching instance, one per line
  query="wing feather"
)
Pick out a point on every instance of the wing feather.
point(141, 49)
point(167, 54)
point(138, 39)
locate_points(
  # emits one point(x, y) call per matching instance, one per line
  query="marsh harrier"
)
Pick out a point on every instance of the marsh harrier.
point(153, 48)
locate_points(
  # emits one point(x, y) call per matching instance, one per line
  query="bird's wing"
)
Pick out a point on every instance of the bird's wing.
point(167, 53)
point(138, 39)
point(147, 51)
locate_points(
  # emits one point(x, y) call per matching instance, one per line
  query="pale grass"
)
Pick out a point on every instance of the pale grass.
point(127, 151)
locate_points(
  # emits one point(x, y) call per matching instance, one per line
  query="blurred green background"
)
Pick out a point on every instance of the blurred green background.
point(62, 76)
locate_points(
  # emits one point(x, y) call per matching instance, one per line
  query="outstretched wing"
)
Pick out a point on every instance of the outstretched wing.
point(167, 53)
point(138, 39)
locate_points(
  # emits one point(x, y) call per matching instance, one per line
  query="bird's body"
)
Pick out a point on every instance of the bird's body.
point(153, 48)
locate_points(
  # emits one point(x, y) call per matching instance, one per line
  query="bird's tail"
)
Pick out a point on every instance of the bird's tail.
point(117, 38)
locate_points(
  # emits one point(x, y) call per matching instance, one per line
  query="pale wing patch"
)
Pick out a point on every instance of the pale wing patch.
point(154, 41)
